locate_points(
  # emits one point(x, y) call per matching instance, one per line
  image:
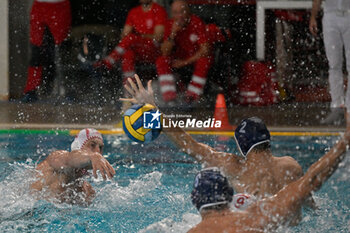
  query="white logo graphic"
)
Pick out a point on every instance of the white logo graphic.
point(193, 38)
point(192, 123)
point(149, 23)
point(151, 120)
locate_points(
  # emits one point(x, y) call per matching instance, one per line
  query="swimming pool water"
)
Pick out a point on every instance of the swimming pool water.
point(151, 189)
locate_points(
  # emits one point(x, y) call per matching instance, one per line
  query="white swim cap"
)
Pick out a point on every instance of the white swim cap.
point(83, 136)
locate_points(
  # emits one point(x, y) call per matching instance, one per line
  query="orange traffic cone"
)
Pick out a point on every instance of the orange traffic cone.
point(220, 113)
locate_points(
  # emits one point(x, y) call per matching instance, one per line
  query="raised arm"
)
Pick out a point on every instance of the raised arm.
point(64, 161)
point(281, 207)
point(321, 170)
point(199, 151)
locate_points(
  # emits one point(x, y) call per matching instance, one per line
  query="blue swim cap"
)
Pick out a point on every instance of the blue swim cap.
point(250, 133)
point(210, 188)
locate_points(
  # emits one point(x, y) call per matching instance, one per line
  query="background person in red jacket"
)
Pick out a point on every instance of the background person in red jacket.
point(142, 33)
point(185, 44)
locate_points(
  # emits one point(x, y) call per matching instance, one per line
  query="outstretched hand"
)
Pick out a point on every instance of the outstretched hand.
point(139, 94)
point(98, 162)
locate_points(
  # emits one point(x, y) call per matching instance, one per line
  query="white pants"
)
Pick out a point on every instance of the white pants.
point(336, 35)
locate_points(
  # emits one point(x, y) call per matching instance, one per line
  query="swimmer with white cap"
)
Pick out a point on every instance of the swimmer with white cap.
point(255, 172)
point(212, 195)
point(60, 174)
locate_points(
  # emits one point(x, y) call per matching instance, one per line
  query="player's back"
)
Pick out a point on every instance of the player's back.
point(265, 177)
point(228, 222)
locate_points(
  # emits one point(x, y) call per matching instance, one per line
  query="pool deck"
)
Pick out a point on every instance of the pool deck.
point(282, 117)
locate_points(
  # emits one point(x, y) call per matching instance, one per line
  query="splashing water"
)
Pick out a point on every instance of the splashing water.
point(151, 189)
point(16, 201)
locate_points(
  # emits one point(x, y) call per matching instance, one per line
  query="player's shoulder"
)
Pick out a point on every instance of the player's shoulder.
point(53, 156)
point(286, 160)
point(229, 160)
point(56, 155)
point(58, 152)
point(288, 163)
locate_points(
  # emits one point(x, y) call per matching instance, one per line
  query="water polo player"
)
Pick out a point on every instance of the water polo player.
point(256, 172)
point(60, 175)
point(212, 194)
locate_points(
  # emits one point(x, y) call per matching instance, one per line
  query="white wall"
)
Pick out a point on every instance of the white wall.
point(4, 51)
